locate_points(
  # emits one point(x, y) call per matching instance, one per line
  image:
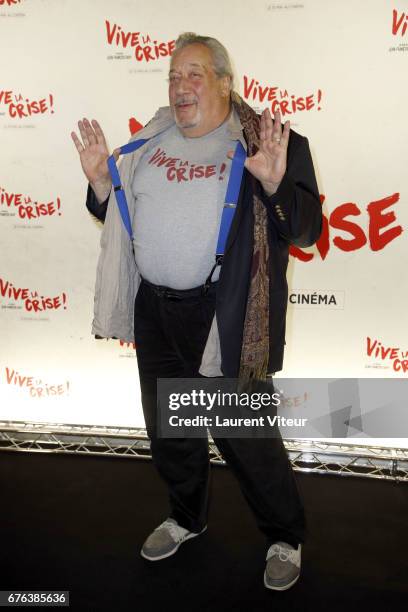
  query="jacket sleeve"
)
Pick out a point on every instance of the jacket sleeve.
point(97, 209)
point(295, 209)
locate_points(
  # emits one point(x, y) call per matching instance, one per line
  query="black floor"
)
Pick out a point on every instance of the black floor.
point(77, 524)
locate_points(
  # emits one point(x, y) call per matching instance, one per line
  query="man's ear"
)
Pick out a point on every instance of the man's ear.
point(225, 86)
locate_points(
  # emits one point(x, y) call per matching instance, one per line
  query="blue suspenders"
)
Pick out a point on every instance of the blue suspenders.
point(231, 197)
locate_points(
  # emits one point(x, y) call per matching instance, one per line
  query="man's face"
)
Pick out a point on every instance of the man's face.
point(199, 100)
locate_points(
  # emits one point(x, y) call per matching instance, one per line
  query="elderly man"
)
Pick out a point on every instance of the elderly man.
point(189, 313)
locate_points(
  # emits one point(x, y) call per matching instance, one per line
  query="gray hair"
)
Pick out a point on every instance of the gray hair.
point(221, 61)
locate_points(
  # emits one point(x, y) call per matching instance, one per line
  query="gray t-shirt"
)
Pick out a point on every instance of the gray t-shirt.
point(180, 185)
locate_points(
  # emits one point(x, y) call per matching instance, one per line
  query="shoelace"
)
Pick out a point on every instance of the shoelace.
point(285, 554)
point(177, 533)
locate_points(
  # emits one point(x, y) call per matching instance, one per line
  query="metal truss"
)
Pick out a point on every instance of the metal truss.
point(312, 456)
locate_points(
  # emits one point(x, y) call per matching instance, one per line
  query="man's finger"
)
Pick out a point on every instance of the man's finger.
point(285, 134)
point(100, 137)
point(89, 132)
point(277, 127)
point(268, 125)
point(83, 133)
point(277, 118)
point(77, 142)
point(262, 127)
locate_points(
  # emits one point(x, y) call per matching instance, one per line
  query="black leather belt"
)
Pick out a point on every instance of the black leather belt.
point(180, 294)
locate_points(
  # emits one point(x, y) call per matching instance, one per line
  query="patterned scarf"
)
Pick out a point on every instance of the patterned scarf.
point(255, 342)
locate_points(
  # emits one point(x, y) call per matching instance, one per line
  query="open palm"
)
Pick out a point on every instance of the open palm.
point(268, 164)
point(93, 151)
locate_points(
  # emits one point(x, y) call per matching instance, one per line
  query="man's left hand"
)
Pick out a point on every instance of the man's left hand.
point(268, 164)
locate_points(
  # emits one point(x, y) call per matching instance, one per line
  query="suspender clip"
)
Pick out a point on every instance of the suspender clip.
point(218, 259)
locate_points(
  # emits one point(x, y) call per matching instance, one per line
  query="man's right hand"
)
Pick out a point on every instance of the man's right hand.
point(93, 153)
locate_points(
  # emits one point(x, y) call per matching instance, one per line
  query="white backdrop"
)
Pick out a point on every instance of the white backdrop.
point(338, 70)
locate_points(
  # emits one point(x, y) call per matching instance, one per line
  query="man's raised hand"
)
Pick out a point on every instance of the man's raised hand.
point(93, 153)
point(268, 164)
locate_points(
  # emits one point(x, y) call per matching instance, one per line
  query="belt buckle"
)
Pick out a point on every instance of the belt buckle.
point(172, 296)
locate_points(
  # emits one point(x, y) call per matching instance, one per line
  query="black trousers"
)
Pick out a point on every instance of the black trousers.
point(170, 337)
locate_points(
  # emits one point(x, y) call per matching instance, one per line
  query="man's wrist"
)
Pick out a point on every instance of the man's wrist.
point(270, 188)
point(102, 189)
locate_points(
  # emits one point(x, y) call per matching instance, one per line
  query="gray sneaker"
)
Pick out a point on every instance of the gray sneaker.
point(282, 567)
point(165, 540)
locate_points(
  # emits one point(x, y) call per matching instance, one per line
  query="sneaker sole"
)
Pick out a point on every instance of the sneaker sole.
point(174, 550)
point(280, 588)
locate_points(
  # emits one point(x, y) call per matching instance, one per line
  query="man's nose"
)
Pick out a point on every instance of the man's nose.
point(183, 84)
